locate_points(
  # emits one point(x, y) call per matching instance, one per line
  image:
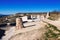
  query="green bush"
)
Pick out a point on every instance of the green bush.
point(50, 33)
point(51, 18)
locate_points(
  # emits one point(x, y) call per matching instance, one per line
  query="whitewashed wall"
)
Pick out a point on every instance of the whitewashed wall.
point(24, 18)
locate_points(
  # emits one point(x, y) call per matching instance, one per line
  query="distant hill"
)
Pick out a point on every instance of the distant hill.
point(1, 15)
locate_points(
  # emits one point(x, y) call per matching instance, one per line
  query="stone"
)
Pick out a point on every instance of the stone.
point(19, 24)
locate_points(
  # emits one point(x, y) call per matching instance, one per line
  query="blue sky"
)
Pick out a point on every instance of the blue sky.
point(15, 6)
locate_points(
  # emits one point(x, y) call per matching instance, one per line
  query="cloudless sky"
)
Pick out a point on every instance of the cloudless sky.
point(15, 6)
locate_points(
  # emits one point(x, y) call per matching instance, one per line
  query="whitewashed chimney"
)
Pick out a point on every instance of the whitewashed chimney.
point(42, 17)
point(47, 16)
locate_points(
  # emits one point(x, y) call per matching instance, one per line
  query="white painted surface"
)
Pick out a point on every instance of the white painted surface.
point(42, 17)
point(47, 15)
point(24, 18)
